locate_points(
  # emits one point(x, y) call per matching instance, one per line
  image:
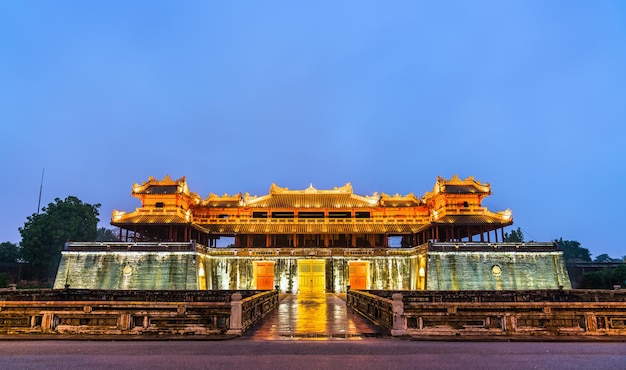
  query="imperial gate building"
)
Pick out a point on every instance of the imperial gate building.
point(312, 240)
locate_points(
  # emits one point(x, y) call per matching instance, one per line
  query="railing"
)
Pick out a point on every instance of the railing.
point(245, 219)
point(494, 313)
point(169, 313)
point(136, 246)
point(485, 246)
point(309, 251)
point(319, 252)
point(254, 308)
point(378, 310)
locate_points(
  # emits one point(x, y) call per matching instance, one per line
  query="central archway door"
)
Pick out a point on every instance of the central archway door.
point(311, 276)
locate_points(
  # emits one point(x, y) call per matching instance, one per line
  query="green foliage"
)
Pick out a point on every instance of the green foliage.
point(572, 251)
point(106, 235)
point(516, 236)
point(4, 280)
point(605, 278)
point(9, 252)
point(44, 234)
point(606, 258)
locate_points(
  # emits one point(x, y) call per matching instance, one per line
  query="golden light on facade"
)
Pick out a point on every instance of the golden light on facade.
point(117, 215)
point(507, 214)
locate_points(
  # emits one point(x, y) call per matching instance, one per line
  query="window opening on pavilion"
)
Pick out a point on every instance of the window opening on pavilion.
point(362, 214)
point(222, 215)
point(395, 241)
point(159, 205)
point(225, 241)
point(259, 214)
point(339, 215)
point(282, 214)
point(465, 204)
point(310, 214)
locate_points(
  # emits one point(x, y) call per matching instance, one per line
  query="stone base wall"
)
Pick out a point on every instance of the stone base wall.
point(496, 270)
point(188, 266)
point(128, 270)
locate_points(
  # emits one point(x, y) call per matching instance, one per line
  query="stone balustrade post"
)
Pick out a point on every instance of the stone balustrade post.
point(399, 321)
point(235, 314)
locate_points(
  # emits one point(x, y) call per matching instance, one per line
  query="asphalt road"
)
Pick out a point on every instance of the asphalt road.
point(374, 353)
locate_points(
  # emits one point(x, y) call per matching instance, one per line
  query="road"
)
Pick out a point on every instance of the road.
point(368, 353)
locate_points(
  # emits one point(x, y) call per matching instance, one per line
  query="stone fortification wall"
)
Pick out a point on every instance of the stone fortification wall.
point(496, 270)
point(128, 270)
point(181, 266)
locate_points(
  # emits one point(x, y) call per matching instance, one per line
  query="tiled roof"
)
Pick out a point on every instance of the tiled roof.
point(472, 220)
point(312, 200)
point(150, 219)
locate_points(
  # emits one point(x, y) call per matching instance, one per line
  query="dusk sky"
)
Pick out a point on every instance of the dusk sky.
point(529, 96)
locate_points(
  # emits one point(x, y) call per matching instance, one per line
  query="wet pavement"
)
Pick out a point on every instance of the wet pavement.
point(312, 316)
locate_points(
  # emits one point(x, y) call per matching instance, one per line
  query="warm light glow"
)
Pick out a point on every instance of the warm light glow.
point(507, 214)
point(201, 271)
point(117, 215)
point(422, 272)
point(435, 214)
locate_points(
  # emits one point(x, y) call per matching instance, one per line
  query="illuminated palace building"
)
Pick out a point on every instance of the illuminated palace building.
point(312, 240)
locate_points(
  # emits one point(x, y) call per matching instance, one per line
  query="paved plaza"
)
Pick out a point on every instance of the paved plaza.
point(313, 315)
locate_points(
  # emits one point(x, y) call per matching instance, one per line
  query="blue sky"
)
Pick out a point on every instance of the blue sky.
point(526, 95)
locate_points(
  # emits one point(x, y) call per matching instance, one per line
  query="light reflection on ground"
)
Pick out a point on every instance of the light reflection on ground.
point(313, 316)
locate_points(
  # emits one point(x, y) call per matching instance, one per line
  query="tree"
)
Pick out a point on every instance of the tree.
point(106, 235)
point(516, 236)
point(573, 251)
point(44, 234)
point(9, 252)
point(605, 278)
point(606, 258)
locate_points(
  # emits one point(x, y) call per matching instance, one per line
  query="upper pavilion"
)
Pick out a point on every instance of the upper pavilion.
point(312, 217)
